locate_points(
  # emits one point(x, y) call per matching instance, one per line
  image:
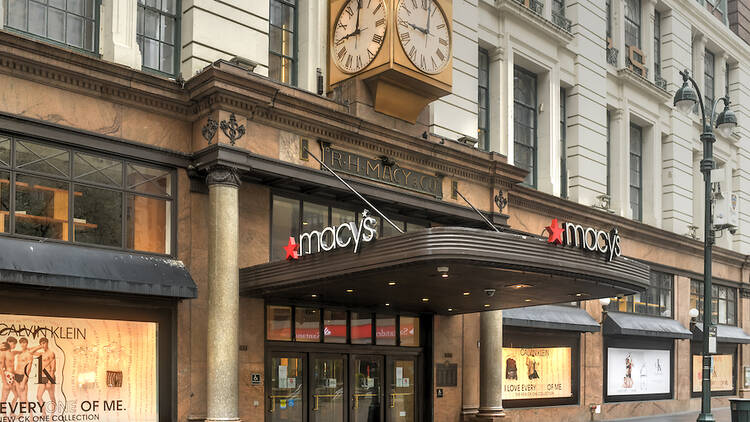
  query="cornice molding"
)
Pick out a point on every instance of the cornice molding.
point(552, 206)
point(561, 36)
point(627, 76)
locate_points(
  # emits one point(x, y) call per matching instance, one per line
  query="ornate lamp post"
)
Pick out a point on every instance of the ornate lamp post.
point(685, 99)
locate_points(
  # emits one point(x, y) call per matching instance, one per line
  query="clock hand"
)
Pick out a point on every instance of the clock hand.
point(429, 15)
point(359, 9)
point(422, 30)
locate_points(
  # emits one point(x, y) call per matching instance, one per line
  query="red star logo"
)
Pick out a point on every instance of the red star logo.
point(291, 249)
point(555, 233)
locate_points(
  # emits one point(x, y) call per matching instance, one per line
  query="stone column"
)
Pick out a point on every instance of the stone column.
point(699, 56)
point(118, 42)
point(490, 365)
point(223, 296)
point(470, 365)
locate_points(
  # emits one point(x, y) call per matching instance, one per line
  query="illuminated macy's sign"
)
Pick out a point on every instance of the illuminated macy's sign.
point(333, 237)
point(589, 239)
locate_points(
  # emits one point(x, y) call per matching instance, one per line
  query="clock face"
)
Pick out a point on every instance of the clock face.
point(358, 35)
point(424, 35)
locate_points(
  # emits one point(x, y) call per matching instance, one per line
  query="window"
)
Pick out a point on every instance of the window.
point(65, 194)
point(633, 23)
point(524, 122)
point(484, 100)
point(563, 146)
point(290, 217)
point(282, 59)
point(558, 7)
point(656, 300)
point(657, 44)
point(158, 26)
point(708, 71)
point(609, 152)
point(339, 326)
point(636, 176)
point(723, 302)
point(71, 23)
point(609, 22)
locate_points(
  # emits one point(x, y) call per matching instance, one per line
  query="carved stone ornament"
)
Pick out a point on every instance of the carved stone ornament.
point(232, 130)
point(209, 130)
point(500, 201)
point(223, 175)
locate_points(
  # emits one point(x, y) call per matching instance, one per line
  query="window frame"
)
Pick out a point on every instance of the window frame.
point(715, 301)
point(709, 77)
point(639, 157)
point(95, 42)
point(629, 20)
point(533, 108)
point(293, 79)
point(657, 43)
point(72, 181)
point(177, 39)
point(650, 297)
point(609, 153)
point(483, 132)
point(563, 144)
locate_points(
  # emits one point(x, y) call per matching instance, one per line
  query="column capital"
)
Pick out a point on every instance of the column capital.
point(223, 175)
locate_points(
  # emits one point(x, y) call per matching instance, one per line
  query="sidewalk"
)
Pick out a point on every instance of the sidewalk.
point(721, 414)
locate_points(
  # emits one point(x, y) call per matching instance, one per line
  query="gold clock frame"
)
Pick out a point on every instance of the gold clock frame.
point(403, 49)
point(332, 31)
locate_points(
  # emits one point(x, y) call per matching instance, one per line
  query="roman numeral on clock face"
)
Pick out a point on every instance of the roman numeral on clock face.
point(378, 7)
point(413, 53)
point(380, 22)
point(414, 3)
point(405, 37)
point(359, 62)
point(348, 61)
point(370, 55)
point(403, 23)
point(341, 53)
point(443, 41)
point(441, 26)
point(422, 62)
point(440, 54)
point(377, 38)
point(349, 11)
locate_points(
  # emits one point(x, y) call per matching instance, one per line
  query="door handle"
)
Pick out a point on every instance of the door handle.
point(273, 404)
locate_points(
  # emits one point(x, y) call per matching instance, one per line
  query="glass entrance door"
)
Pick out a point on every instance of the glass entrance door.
point(366, 388)
point(401, 392)
point(285, 384)
point(327, 388)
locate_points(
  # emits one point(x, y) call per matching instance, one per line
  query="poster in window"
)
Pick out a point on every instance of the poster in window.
point(722, 369)
point(78, 369)
point(638, 371)
point(536, 373)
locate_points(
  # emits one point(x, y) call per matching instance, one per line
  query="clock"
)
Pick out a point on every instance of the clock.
point(390, 56)
point(358, 34)
point(423, 34)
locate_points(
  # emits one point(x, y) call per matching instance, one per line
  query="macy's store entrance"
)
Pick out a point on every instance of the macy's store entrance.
point(325, 365)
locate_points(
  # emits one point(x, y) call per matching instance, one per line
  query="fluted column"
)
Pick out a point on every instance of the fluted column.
point(223, 296)
point(118, 36)
point(647, 40)
point(490, 365)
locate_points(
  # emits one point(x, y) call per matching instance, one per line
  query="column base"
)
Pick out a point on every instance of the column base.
point(469, 410)
point(223, 420)
point(489, 414)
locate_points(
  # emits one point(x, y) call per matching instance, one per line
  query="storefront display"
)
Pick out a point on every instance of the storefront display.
point(536, 373)
point(722, 373)
point(638, 371)
point(84, 369)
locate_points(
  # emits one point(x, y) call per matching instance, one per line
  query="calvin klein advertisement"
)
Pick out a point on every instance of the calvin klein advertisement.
point(722, 370)
point(638, 371)
point(71, 369)
point(536, 373)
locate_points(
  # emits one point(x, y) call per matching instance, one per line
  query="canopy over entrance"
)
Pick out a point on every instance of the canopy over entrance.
point(446, 270)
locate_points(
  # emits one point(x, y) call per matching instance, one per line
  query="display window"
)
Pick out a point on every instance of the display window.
point(723, 370)
point(540, 367)
point(638, 368)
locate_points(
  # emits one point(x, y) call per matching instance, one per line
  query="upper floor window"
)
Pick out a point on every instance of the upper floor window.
point(636, 171)
point(524, 122)
point(723, 302)
point(47, 191)
point(157, 33)
point(71, 23)
point(716, 7)
point(563, 146)
point(558, 7)
point(656, 300)
point(709, 70)
point(282, 51)
point(633, 23)
point(657, 44)
point(484, 100)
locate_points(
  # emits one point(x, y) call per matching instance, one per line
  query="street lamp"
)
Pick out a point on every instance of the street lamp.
point(685, 99)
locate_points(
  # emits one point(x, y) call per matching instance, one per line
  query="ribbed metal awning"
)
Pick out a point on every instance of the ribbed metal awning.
point(628, 324)
point(50, 264)
point(553, 317)
point(724, 334)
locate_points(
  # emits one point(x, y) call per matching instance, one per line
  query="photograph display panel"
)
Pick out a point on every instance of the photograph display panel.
point(638, 371)
point(537, 373)
point(722, 370)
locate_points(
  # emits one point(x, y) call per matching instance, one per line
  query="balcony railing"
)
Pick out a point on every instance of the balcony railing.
point(561, 21)
point(612, 56)
point(535, 6)
point(660, 82)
